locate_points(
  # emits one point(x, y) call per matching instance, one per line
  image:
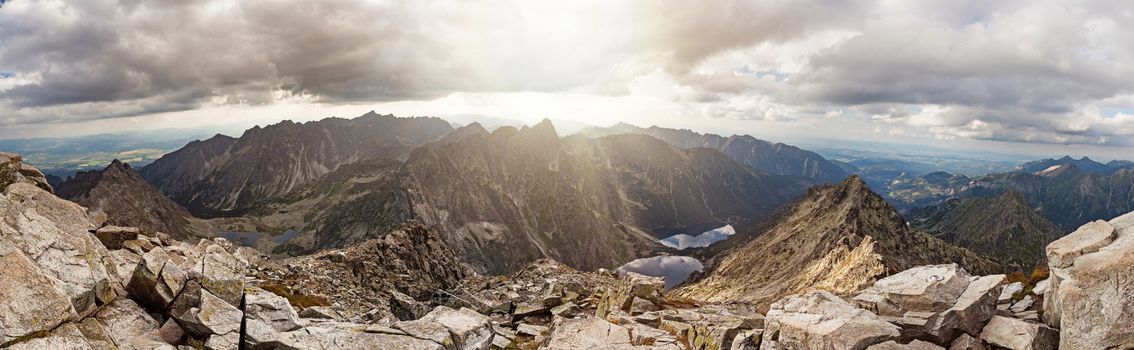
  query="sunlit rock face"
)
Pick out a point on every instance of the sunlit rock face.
point(1092, 281)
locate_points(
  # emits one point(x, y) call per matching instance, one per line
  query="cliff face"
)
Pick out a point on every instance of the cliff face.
point(837, 238)
point(128, 200)
point(775, 158)
point(223, 176)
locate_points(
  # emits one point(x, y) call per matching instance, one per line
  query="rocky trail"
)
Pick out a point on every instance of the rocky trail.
point(69, 281)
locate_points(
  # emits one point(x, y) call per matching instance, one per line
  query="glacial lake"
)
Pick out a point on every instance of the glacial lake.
point(675, 269)
point(683, 241)
point(249, 239)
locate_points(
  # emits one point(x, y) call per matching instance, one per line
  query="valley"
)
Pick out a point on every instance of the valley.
point(534, 234)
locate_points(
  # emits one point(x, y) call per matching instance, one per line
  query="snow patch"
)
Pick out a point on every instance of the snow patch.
point(683, 241)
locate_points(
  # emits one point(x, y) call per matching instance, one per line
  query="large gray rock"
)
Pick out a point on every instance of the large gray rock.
point(65, 337)
point(56, 233)
point(129, 326)
point(13, 170)
point(821, 320)
point(405, 308)
point(270, 308)
point(465, 328)
point(932, 288)
point(967, 342)
point(913, 345)
point(971, 311)
point(1087, 239)
point(217, 271)
point(213, 317)
point(156, 281)
point(336, 335)
point(1018, 334)
point(1092, 283)
point(114, 236)
point(596, 333)
point(29, 303)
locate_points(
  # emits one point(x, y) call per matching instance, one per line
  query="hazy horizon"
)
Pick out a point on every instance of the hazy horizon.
point(1016, 77)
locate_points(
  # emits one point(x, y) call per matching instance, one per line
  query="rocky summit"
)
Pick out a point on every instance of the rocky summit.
point(838, 238)
point(128, 200)
point(72, 282)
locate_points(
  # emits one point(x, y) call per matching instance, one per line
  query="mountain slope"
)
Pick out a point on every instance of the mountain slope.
point(506, 198)
point(776, 158)
point(128, 200)
point(837, 238)
point(1068, 197)
point(223, 176)
point(1003, 228)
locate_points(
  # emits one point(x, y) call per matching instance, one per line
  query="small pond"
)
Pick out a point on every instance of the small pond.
point(249, 239)
point(675, 269)
point(683, 241)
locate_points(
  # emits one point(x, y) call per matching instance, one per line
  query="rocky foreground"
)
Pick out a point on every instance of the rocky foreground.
point(69, 281)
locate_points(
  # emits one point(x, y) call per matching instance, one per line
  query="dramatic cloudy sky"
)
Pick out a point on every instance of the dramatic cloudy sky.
point(1046, 72)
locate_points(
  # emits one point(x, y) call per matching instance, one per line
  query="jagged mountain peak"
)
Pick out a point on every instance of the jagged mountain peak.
point(128, 200)
point(225, 177)
point(838, 237)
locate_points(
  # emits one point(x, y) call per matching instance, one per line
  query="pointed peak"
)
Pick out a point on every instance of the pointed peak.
point(117, 165)
point(544, 128)
point(854, 181)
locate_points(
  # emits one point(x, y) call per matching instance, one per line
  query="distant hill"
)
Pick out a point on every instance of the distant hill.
point(1085, 164)
point(838, 238)
point(776, 158)
point(1003, 228)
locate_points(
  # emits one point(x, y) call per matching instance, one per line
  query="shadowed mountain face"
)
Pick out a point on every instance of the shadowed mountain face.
point(775, 158)
point(1003, 228)
point(224, 176)
point(837, 238)
point(505, 198)
point(128, 200)
point(1068, 196)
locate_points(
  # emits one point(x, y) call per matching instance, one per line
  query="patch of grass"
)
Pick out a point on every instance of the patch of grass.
point(298, 300)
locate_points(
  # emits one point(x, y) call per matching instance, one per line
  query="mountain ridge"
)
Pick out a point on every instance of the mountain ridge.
point(838, 238)
point(776, 158)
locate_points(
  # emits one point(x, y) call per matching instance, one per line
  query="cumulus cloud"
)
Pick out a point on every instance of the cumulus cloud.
point(1036, 71)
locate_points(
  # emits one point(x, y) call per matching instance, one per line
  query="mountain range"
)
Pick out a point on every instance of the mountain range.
point(225, 176)
point(1084, 164)
point(1003, 228)
point(776, 158)
point(505, 198)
